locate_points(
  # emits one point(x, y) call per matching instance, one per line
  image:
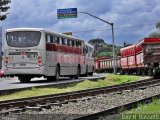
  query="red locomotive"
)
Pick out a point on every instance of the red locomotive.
point(140, 58)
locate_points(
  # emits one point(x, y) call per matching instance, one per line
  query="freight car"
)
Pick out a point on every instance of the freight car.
point(140, 58)
point(105, 64)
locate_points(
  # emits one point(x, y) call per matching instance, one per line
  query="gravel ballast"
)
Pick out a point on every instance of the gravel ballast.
point(87, 105)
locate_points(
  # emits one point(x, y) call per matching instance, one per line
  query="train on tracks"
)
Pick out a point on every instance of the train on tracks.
point(35, 52)
point(140, 58)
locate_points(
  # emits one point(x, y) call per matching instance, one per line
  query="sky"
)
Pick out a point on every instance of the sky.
point(133, 19)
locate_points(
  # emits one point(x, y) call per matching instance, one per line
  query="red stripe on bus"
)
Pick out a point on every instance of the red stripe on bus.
point(63, 48)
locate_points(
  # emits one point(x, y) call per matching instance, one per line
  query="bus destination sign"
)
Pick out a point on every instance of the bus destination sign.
point(67, 13)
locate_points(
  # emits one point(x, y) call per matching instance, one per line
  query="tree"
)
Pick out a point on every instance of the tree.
point(97, 41)
point(3, 9)
point(158, 26)
point(156, 33)
point(103, 49)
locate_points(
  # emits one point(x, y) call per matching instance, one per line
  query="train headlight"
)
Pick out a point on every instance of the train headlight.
point(149, 50)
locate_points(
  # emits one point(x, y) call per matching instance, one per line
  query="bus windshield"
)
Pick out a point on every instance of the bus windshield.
point(23, 38)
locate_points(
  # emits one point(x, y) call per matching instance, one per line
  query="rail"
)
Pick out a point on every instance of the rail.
point(54, 98)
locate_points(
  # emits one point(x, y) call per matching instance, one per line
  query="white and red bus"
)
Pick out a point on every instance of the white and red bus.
point(35, 52)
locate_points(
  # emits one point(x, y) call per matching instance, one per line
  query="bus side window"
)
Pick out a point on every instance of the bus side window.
point(46, 38)
point(51, 38)
point(54, 39)
point(77, 43)
point(68, 42)
point(63, 41)
point(72, 42)
point(58, 40)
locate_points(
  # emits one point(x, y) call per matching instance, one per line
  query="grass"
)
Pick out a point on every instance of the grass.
point(87, 84)
point(148, 111)
point(151, 108)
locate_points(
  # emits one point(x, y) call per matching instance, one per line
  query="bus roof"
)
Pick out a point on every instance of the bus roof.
point(41, 29)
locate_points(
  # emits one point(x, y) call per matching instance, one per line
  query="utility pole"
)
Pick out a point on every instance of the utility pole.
point(113, 48)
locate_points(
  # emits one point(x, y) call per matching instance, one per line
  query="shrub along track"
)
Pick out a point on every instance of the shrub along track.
point(49, 100)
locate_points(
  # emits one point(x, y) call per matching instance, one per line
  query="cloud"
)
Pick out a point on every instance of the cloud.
point(123, 13)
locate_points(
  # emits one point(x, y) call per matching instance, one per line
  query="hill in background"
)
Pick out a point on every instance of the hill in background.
point(103, 49)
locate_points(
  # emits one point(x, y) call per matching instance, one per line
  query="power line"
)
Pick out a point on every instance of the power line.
point(129, 27)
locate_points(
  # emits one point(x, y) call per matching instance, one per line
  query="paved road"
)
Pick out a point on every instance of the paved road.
point(13, 83)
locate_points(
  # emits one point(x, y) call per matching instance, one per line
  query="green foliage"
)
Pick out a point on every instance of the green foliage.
point(152, 108)
point(119, 79)
point(103, 49)
point(87, 84)
point(158, 25)
point(96, 41)
point(4, 8)
point(101, 54)
point(156, 34)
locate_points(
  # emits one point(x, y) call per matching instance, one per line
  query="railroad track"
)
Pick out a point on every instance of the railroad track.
point(71, 96)
point(118, 109)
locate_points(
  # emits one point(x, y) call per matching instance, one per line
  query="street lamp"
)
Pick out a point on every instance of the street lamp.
point(113, 48)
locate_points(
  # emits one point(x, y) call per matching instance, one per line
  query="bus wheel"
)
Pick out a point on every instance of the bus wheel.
point(57, 74)
point(78, 73)
point(50, 78)
point(91, 73)
point(24, 79)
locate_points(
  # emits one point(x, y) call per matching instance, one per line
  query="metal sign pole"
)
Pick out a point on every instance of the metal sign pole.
point(114, 64)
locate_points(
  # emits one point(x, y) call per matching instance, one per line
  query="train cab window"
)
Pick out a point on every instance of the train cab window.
point(90, 52)
point(85, 49)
